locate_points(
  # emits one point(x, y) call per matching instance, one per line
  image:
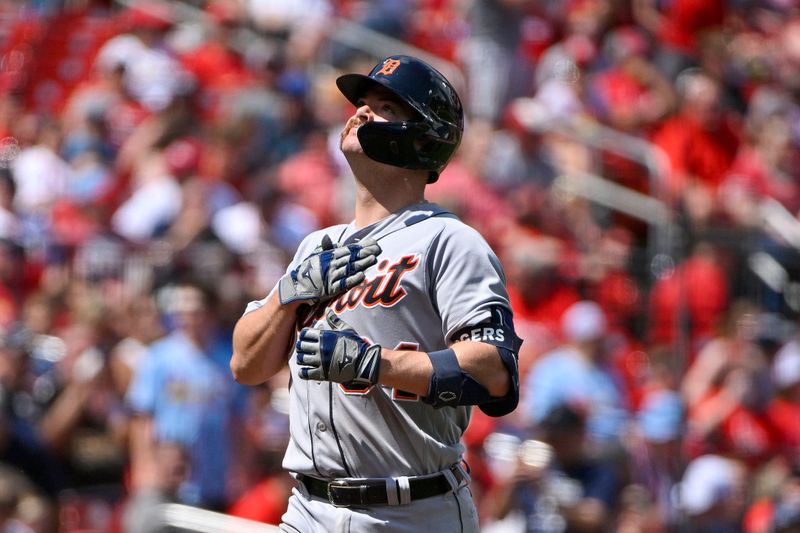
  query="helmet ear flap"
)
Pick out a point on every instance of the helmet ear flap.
point(392, 143)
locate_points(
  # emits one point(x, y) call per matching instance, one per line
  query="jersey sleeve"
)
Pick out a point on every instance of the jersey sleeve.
point(466, 279)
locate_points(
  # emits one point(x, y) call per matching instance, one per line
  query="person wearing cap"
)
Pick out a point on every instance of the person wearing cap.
point(577, 373)
point(712, 495)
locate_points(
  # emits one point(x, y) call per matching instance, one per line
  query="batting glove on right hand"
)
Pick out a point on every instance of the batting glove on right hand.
point(328, 272)
point(338, 355)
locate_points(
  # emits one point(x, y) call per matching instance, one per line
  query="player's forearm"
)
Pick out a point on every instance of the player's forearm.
point(406, 370)
point(411, 371)
point(261, 341)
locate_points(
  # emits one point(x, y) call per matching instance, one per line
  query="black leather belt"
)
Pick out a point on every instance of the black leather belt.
point(358, 492)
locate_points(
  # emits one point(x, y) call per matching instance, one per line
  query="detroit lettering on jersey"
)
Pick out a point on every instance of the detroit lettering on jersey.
point(382, 290)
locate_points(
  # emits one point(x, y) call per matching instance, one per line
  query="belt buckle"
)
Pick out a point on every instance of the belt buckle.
point(332, 486)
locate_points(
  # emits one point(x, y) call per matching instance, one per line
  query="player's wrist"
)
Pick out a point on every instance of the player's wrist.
point(370, 366)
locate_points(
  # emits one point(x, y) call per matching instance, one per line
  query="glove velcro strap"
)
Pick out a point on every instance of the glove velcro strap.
point(354, 251)
point(370, 370)
point(325, 259)
point(446, 379)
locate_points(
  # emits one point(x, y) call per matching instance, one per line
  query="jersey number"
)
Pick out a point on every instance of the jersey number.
point(397, 394)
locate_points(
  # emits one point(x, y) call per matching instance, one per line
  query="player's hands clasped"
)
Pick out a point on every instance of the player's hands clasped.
point(338, 355)
point(329, 271)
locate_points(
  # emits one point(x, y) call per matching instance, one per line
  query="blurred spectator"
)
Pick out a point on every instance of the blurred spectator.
point(269, 487)
point(20, 444)
point(9, 221)
point(41, 176)
point(216, 63)
point(680, 28)
point(558, 483)
point(700, 141)
point(713, 494)
point(12, 289)
point(143, 511)
point(735, 345)
point(637, 512)
point(779, 512)
point(727, 389)
point(784, 408)
point(57, 385)
point(142, 327)
point(538, 290)
point(22, 509)
point(688, 300)
point(151, 74)
point(490, 55)
point(520, 157)
point(466, 194)
point(578, 374)
point(154, 203)
point(103, 102)
point(308, 178)
point(270, 217)
point(183, 392)
point(299, 24)
point(766, 165)
point(655, 450)
point(731, 420)
point(630, 94)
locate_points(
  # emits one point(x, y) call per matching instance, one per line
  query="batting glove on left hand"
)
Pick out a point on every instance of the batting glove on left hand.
point(338, 355)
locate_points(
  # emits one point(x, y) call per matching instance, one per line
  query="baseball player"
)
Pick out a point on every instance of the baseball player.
point(393, 325)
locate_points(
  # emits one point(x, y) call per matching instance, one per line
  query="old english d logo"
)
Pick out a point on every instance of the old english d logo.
point(389, 66)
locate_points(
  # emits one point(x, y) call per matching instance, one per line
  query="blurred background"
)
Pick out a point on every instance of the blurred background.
point(634, 163)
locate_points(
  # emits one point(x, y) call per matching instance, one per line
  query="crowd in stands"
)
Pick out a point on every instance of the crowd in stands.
point(160, 163)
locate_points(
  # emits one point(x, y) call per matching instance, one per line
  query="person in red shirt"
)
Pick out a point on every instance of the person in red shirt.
point(767, 165)
point(680, 27)
point(784, 409)
point(216, 64)
point(699, 289)
point(731, 420)
point(700, 143)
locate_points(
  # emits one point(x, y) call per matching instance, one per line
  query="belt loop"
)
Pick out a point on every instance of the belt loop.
point(302, 484)
point(392, 492)
point(451, 478)
point(405, 490)
point(463, 469)
point(462, 479)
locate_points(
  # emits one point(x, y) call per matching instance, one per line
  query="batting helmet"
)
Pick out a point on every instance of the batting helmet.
point(427, 141)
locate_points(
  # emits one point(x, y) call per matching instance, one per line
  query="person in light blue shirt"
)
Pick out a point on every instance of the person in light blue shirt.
point(576, 374)
point(182, 392)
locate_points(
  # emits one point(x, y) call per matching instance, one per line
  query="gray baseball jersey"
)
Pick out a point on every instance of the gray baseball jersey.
point(434, 277)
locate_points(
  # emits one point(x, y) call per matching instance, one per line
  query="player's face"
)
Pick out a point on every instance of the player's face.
point(378, 105)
